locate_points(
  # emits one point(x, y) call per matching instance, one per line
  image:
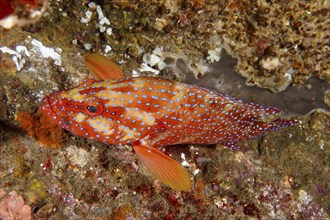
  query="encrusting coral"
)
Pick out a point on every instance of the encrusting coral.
point(12, 206)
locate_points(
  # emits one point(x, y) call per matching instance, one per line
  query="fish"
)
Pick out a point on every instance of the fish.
point(150, 112)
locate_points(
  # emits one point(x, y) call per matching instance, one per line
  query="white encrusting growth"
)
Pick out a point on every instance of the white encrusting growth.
point(153, 62)
point(18, 55)
point(214, 55)
point(107, 48)
point(34, 49)
point(103, 22)
point(88, 46)
point(88, 17)
point(47, 52)
point(146, 68)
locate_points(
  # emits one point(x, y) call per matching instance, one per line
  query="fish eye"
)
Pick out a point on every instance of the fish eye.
point(91, 108)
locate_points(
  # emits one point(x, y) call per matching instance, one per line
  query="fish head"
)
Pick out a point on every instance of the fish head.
point(72, 109)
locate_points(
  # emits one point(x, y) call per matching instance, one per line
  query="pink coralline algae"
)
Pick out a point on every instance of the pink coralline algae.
point(12, 206)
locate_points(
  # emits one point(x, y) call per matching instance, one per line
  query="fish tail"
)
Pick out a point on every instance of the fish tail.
point(280, 123)
point(273, 125)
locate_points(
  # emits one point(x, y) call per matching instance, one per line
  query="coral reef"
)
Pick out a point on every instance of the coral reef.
point(275, 45)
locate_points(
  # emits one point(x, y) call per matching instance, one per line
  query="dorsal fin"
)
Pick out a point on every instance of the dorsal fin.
point(103, 67)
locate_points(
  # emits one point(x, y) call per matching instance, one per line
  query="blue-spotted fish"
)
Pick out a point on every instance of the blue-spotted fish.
point(147, 113)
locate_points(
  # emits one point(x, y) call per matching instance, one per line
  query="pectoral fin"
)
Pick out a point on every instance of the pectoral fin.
point(164, 168)
point(102, 67)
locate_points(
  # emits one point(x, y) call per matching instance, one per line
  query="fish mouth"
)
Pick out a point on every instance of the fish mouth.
point(52, 106)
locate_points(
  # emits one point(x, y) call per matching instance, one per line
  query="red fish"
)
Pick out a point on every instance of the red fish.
point(147, 113)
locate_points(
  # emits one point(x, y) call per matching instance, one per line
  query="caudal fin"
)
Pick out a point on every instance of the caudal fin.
point(279, 123)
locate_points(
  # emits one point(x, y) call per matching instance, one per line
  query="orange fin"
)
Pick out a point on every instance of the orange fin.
point(164, 168)
point(102, 67)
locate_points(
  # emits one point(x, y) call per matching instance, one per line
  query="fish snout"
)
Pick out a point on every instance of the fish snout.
point(51, 105)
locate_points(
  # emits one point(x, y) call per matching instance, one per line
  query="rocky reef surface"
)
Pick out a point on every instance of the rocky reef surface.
point(267, 52)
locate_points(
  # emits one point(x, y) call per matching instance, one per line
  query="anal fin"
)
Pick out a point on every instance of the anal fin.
point(164, 168)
